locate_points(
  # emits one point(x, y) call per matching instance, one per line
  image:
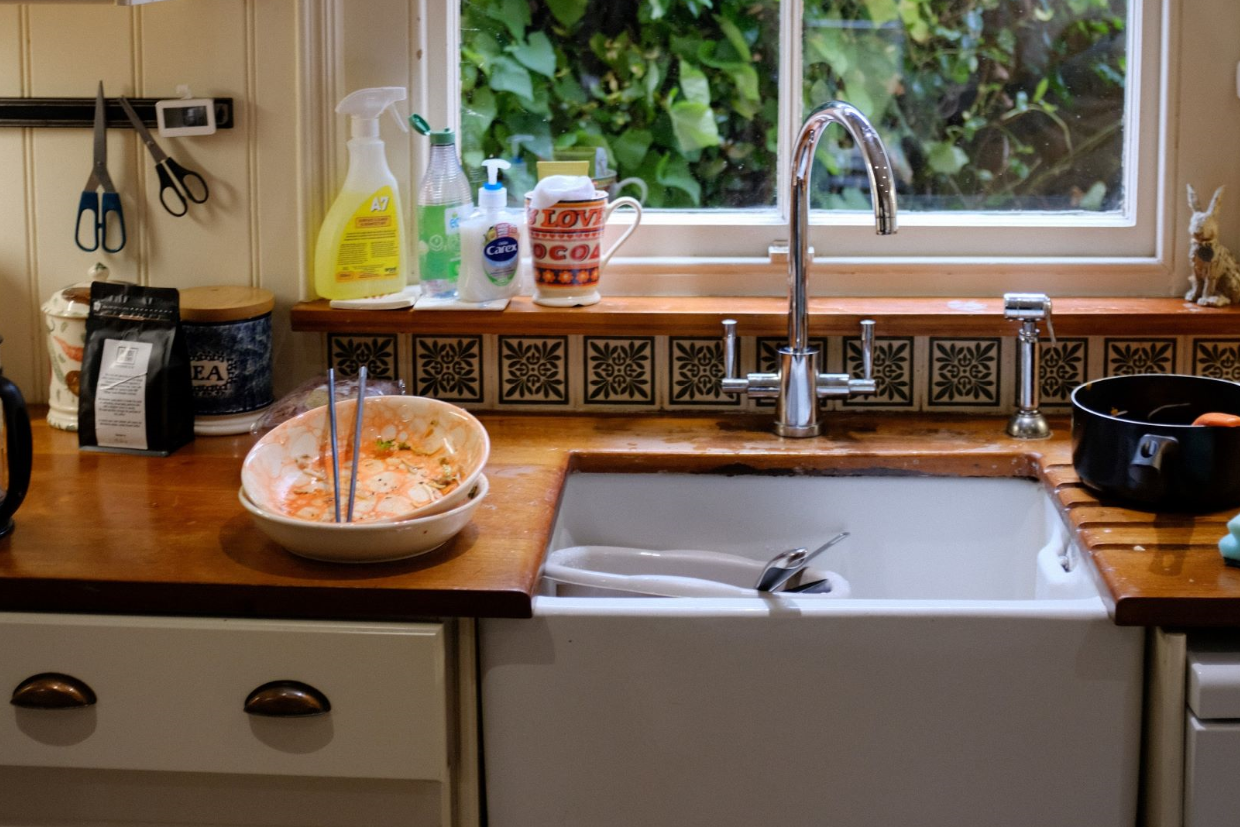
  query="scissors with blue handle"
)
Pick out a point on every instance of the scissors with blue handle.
point(177, 185)
point(104, 218)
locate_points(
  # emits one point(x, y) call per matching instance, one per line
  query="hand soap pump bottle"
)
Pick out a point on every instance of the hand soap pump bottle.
point(443, 203)
point(361, 245)
point(491, 242)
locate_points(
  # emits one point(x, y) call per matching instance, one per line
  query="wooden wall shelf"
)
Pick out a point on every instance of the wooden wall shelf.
point(767, 316)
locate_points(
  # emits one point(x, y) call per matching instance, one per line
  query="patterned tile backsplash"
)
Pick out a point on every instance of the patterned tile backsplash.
point(965, 373)
point(649, 373)
point(1125, 357)
point(1064, 364)
point(619, 371)
point(449, 368)
point(533, 370)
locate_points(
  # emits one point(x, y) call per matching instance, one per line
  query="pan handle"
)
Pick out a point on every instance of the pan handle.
point(1145, 471)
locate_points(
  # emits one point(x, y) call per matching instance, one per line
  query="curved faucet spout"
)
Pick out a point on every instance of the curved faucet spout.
point(798, 383)
point(882, 194)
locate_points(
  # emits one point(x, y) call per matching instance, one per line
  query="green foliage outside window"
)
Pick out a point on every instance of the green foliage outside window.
point(681, 93)
point(984, 104)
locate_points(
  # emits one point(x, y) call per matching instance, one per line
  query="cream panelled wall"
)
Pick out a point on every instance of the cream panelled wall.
point(252, 229)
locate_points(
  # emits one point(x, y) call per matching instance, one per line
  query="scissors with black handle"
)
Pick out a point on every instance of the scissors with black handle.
point(102, 211)
point(178, 186)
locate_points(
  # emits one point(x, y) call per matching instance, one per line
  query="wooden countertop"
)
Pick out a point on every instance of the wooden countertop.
point(115, 533)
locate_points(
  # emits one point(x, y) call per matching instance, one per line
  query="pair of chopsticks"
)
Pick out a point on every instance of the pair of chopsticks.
point(357, 438)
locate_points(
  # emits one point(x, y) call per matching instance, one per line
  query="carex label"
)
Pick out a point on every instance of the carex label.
point(500, 249)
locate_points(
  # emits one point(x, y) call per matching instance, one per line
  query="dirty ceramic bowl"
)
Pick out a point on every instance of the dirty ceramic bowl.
point(367, 542)
point(419, 456)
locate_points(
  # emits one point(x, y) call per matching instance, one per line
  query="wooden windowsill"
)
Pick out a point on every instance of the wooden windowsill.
point(767, 316)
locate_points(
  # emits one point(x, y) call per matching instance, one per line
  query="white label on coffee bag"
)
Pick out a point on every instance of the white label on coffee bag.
point(120, 395)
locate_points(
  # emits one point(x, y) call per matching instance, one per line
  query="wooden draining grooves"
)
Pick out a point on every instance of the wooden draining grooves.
point(767, 316)
point(1156, 568)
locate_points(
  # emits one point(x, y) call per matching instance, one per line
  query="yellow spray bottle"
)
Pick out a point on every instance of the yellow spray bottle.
point(362, 247)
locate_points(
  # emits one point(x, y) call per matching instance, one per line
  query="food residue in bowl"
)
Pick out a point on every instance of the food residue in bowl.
point(393, 480)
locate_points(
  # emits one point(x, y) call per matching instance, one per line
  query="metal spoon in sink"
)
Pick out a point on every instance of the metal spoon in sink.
point(786, 564)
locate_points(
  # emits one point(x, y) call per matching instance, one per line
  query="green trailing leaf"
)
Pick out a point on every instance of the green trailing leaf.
point(882, 11)
point(480, 49)
point(745, 78)
point(1040, 92)
point(1093, 197)
point(693, 84)
point(568, 12)
point(946, 159)
point(734, 36)
point(478, 112)
point(509, 76)
point(694, 125)
point(631, 147)
point(569, 91)
point(674, 172)
point(537, 55)
point(514, 14)
point(651, 81)
point(746, 108)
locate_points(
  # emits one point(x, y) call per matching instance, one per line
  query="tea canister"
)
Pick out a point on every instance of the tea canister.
point(64, 316)
point(228, 330)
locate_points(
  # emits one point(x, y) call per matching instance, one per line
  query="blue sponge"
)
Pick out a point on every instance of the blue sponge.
point(1230, 545)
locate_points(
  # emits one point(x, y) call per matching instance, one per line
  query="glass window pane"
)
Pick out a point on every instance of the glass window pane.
point(680, 94)
point(983, 104)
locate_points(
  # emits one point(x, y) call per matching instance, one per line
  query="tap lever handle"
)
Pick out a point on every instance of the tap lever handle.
point(729, 349)
point(867, 349)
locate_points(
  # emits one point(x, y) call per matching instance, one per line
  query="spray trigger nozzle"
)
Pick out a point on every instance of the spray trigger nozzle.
point(365, 106)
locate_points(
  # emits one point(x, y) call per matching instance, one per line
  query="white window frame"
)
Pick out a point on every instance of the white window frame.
point(722, 252)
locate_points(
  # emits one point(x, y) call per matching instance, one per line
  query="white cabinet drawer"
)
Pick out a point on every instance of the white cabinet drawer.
point(170, 695)
point(1212, 753)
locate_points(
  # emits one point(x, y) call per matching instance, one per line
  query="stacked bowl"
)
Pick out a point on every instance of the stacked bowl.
point(419, 479)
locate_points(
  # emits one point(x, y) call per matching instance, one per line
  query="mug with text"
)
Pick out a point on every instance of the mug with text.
point(566, 241)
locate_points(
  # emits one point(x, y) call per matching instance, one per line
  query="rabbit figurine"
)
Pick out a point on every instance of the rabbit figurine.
point(1215, 278)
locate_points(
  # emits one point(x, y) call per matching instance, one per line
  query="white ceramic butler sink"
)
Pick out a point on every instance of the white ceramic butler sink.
point(966, 679)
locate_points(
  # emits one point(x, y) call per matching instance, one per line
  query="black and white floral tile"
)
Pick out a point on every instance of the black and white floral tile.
point(898, 368)
point(1216, 358)
point(1064, 364)
point(694, 371)
point(969, 374)
point(381, 353)
point(634, 373)
point(451, 368)
point(620, 372)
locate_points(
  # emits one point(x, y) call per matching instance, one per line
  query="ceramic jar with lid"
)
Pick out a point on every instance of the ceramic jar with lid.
point(64, 316)
point(228, 330)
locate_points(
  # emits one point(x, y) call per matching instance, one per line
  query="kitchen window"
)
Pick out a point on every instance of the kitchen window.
point(1026, 134)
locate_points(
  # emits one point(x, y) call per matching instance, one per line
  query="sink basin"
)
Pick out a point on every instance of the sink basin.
point(969, 677)
point(912, 538)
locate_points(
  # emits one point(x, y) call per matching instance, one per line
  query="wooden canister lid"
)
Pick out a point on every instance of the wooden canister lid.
point(225, 303)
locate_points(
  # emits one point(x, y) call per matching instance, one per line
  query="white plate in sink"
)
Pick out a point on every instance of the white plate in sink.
point(676, 573)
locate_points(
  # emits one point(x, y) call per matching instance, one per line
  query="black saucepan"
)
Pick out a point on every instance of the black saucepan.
point(1133, 438)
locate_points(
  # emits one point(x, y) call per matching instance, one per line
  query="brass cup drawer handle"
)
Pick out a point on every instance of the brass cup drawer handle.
point(52, 690)
point(287, 699)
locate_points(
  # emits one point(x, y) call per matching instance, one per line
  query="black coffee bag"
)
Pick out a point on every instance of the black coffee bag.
point(136, 394)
